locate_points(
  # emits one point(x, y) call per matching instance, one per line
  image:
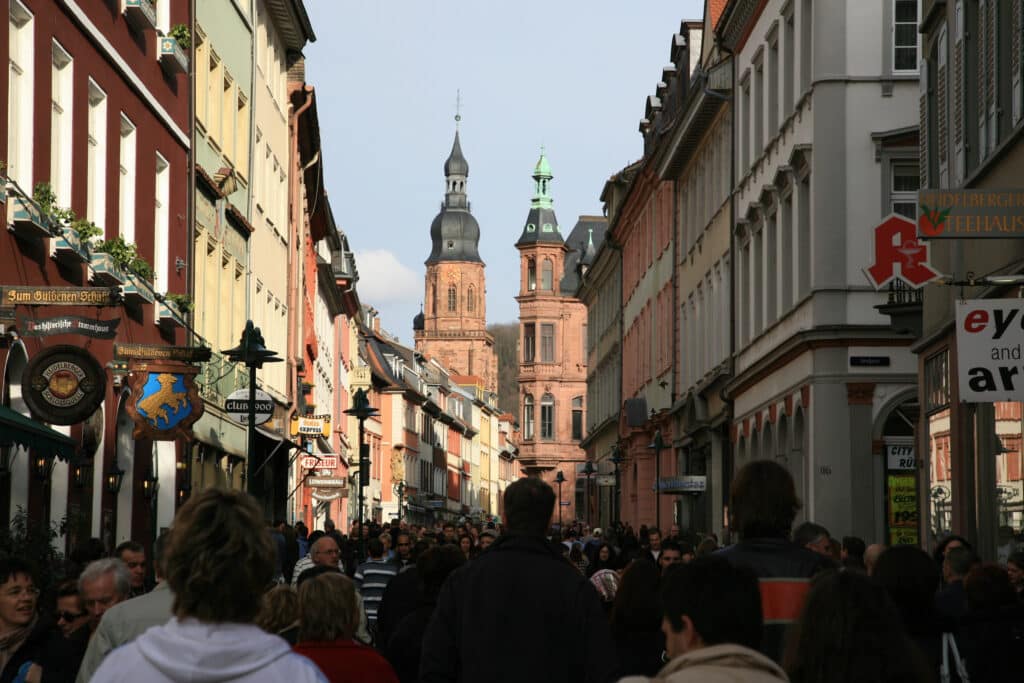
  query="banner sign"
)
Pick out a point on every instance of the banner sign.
point(184, 354)
point(63, 385)
point(970, 214)
point(685, 484)
point(899, 255)
point(26, 295)
point(164, 400)
point(69, 324)
point(322, 462)
point(990, 349)
point(311, 425)
point(903, 509)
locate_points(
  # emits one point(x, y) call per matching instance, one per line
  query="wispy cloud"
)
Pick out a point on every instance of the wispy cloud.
point(384, 279)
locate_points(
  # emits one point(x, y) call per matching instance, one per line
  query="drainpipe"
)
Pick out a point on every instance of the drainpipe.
point(295, 245)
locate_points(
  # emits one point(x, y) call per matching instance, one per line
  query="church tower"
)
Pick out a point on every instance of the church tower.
point(453, 324)
point(552, 363)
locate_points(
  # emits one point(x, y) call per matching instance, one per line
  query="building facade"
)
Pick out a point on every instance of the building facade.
point(453, 325)
point(553, 356)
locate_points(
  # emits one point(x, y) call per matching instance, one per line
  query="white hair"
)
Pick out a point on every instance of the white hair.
point(109, 565)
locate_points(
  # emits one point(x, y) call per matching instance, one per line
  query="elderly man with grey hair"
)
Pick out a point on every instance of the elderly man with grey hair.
point(103, 584)
point(324, 551)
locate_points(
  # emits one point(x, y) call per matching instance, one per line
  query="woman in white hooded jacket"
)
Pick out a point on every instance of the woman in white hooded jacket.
point(220, 559)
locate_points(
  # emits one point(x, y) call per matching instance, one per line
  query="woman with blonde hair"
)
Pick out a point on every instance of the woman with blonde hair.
point(328, 617)
point(279, 613)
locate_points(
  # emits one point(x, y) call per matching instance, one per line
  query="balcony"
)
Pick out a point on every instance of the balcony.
point(903, 306)
point(140, 14)
point(172, 57)
point(343, 264)
point(168, 315)
point(25, 219)
point(104, 270)
point(69, 249)
point(137, 290)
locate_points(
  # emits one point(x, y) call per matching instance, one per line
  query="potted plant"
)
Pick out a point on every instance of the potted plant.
point(173, 47)
point(173, 308)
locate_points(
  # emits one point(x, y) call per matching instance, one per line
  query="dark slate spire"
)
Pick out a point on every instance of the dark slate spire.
point(455, 234)
point(541, 223)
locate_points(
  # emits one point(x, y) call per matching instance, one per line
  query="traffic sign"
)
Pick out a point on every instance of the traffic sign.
point(237, 406)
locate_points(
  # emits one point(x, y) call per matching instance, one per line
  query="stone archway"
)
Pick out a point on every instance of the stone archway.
point(16, 481)
point(124, 458)
point(797, 460)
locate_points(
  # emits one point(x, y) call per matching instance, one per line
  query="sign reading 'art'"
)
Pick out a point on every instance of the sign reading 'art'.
point(990, 350)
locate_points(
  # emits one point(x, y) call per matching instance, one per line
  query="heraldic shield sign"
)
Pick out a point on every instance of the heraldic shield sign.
point(164, 400)
point(64, 385)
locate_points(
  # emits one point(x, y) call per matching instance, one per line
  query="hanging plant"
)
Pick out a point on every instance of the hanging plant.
point(126, 256)
point(181, 34)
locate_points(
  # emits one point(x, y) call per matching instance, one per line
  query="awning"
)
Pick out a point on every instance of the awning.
point(16, 428)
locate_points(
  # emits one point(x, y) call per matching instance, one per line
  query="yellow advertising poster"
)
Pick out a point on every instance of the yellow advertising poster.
point(903, 509)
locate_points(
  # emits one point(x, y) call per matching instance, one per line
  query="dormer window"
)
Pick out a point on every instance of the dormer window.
point(530, 227)
point(548, 227)
point(451, 244)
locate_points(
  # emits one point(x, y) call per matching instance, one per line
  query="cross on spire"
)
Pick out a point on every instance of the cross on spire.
point(458, 108)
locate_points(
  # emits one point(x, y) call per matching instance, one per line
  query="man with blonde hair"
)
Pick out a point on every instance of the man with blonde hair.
point(220, 560)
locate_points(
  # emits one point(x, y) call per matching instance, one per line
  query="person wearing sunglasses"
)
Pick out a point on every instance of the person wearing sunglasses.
point(71, 616)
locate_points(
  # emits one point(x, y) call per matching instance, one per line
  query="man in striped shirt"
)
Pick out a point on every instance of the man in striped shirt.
point(372, 578)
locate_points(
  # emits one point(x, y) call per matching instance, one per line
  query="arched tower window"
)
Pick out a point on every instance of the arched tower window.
point(471, 299)
point(433, 299)
point(453, 298)
point(547, 417)
point(531, 275)
point(547, 275)
point(528, 416)
point(577, 418)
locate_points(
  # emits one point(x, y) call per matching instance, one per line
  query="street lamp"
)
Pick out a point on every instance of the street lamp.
point(361, 410)
point(559, 479)
point(616, 460)
point(115, 475)
point(252, 351)
point(43, 466)
point(400, 490)
point(657, 445)
point(588, 469)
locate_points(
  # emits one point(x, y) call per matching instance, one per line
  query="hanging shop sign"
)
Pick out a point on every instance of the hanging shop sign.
point(899, 255)
point(900, 457)
point(319, 462)
point(311, 425)
point(26, 295)
point(69, 324)
point(63, 385)
point(903, 509)
point(164, 400)
point(327, 482)
point(684, 484)
point(990, 350)
point(183, 354)
point(970, 214)
point(326, 495)
point(237, 406)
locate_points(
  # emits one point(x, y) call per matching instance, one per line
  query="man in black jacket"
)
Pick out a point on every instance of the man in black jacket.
point(763, 505)
point(522, 595)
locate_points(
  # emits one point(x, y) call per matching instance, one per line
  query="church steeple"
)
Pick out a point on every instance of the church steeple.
point(456, 171)
point(541, 223)
point(541, 182)
point(455, 234)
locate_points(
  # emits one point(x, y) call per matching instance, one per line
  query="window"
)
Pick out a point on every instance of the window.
point(773, 85)
point(227, 141)
point(577, 418)
point(214, 86)
point(904, 36)
point(806, 19)
point(788, 72)
point(20, 95)
point(202, 48)
point(529, 342)
point(547, 276)
point(547, 417)
point(60, 125)
point(803, 218)
point(161, 225)
point(904, 185)
point(531, 275)
point(242, 135)
point(745, 126)
point(528, 417)
point(758, 106)
point(163, 16)
point(453, 298)
point(126, 181)
point(96, 207)
point(547, 343)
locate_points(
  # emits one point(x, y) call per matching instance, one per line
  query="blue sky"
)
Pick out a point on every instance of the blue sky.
point(571, 75)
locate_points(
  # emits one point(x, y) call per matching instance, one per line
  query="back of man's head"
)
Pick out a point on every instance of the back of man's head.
point(854, 546)
point(959, 561)
point(434, 566)
point(723, 601)
point(809, 532)
point(529, 503)
point(375, 548)
point(763, 500)
point(220, 557)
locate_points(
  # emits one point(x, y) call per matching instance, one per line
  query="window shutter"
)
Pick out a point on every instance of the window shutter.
point(923, 125)
point(959, 123)
point(942, 107)
point(982, 78)
point(991, 74)
point(1015, 58)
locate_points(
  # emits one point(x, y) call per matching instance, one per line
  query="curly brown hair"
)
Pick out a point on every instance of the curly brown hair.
point(220, 557)
point(279, 609)
point(327, 608)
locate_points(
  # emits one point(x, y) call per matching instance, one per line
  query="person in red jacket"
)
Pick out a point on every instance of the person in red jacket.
point(328, 616)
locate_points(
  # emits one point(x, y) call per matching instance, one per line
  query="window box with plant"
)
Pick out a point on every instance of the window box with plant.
point(30, 218)
point(141, 14)
point(173, 49)
point(116, 261)
point(71, 236)
point(173, 309)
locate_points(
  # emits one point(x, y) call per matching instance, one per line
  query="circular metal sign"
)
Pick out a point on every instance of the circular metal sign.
point(237, 406)
point(63, 385)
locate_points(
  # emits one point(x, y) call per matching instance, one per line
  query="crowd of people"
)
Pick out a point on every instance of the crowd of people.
point(223, 596)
